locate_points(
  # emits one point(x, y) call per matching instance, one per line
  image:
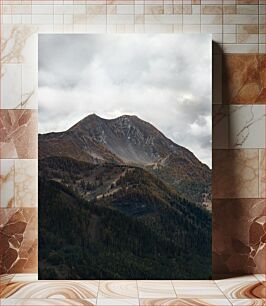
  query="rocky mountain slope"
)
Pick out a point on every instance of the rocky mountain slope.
point(128, 140)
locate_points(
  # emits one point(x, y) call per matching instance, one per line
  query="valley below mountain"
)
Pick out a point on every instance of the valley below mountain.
point(119, 200)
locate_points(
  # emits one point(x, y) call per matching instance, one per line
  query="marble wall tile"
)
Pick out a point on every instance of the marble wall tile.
point(156, 289)
point(243, 79)
point(11, 85)
point(240, 48)
point(248, 29)
point(18, 130)
point(18, 232)
point(18, 63)
point(229, 38)
point(247, 126)
point(29, 85)
point(18, 44)
point(7, 183)
point(239, 244)
point(262, 174)
point(235, 173)
point(25, 183)
point(220, 126)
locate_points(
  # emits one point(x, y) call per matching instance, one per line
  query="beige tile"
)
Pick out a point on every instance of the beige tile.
point(247, 29)
point(154, 9)
point(187, 9)
point(247, 38)
point(7, 183)
point(52, 290)
point(197, 289)
point(25, 277)
point(229, 28)
point(211, 19)
point(10, 85)
point(48, 302)
point(26, 183)
point(240, 19)
point(242, 287)
point(247, 126)
point(163, 19)
point(156, 289)
point(211, 9)
point(184, 302)
point(117, 302)
point(235, 173)
point(240, 48)
point(262, 172)
point(125, 9)
point(229, 38)
point(247, 9)
point(191, 28)
point(229, 9)
point(118, 290)
point(248, 302)
point(191, 19)
point(120, 19)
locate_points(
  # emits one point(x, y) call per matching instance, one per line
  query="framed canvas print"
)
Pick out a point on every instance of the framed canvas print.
point(124, 156)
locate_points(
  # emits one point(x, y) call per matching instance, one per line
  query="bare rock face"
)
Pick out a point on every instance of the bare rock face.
point(132, 141)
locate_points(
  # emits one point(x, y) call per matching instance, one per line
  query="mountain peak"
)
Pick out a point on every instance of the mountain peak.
point(93, 115)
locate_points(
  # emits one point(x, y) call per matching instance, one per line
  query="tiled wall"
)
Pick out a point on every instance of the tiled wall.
point(238, 28)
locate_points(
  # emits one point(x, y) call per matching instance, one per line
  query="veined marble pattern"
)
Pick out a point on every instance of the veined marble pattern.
point(118, 289)
point(197, 289)
point(19, 63)
point(243, 79)
point(184, 302)
point(4, 281)
point(7, 183)
point(241, 240)
point(48, 302)
point(18, 44)
point(235, 173)
point(156, 289)
point(235, 291)
point(117, 302)
point(18, 183)
point(238, 24)
point(261, 278)
point(18, 134)
point(245, 121)
point(25, 183)
point(242, 287)
point(248, 302)
point(51, 290)
point(18, 235)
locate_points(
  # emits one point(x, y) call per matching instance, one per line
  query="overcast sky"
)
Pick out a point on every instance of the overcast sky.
point(164, 79)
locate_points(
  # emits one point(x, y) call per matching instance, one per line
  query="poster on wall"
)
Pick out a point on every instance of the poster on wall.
point(124, 156)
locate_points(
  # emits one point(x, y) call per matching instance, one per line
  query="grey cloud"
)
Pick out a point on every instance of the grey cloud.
point(164, 79)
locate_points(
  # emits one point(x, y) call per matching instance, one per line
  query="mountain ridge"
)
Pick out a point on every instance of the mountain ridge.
point(129, 140)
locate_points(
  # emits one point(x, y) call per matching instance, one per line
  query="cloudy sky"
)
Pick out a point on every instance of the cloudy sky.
point(164, 79)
